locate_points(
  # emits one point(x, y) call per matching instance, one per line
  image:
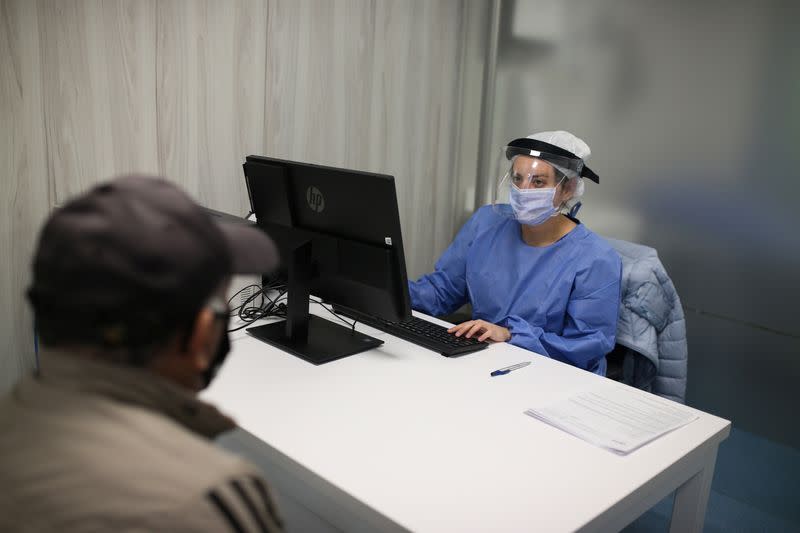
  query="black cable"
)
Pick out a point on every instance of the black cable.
point(268, 307)
point(334, 313)
point(249, 311)
point(240, 291)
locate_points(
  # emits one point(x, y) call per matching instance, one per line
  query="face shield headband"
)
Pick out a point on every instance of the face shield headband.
point(563, 160)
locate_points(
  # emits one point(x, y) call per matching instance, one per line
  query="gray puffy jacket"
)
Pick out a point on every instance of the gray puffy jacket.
point(651, 320)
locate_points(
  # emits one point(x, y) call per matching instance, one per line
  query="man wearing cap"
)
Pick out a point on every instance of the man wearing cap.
point(535, 276)
point(128, 294)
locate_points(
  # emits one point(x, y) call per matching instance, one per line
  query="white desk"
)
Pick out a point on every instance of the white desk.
point(401, 438)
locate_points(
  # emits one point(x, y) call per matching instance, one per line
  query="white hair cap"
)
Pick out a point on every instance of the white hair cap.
point(565, 140)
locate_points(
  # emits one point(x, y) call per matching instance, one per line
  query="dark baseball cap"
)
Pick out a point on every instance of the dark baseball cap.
point(126, 260)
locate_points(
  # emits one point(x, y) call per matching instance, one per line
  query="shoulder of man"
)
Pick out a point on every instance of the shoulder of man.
point(87, 460)
point(214, 490)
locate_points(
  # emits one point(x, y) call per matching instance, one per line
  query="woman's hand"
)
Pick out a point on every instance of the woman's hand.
point(487, 331)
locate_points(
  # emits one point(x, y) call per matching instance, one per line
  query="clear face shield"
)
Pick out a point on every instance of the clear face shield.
point(533, 186)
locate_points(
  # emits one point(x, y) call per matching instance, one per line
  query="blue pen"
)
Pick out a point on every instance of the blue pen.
point(506, 370)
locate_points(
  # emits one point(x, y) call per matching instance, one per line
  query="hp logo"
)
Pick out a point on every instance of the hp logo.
point(315, 199)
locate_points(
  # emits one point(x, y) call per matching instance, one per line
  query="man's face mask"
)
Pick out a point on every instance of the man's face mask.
point(223, 347)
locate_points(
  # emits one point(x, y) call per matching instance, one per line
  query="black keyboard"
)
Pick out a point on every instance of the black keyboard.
point(421, 332)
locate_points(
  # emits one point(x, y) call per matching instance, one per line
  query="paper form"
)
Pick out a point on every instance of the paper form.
point(615, 418)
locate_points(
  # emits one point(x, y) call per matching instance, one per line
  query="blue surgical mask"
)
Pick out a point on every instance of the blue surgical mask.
point(532, 206)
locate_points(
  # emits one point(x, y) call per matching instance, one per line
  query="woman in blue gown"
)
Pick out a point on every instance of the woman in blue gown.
point(535, 276)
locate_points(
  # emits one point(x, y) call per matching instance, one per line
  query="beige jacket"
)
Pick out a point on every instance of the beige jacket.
point(91, 446)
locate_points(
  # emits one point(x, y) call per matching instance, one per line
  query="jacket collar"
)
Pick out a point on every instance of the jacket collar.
point(132, 386)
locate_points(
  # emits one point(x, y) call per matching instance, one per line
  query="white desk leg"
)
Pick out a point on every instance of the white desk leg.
point(691, 499)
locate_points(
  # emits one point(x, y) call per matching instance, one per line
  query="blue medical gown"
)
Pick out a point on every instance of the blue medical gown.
point(560, 300)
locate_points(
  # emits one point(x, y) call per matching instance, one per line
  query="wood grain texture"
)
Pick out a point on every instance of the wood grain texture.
point(372, 85)
point(187, 89)
point(211, 66)
point(473, 43)
point(99, 90)
point(23, 180)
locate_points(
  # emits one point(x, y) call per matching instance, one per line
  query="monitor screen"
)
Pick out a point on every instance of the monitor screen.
point(338, 232)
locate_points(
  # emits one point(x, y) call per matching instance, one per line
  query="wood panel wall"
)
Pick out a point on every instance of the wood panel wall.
point(90, 89)
point(384, 98)
point(24, 192)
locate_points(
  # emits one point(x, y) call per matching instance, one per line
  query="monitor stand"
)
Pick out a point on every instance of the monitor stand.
point(307, 336)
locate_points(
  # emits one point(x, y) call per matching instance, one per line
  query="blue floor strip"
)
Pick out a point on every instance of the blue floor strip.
point(756, 487)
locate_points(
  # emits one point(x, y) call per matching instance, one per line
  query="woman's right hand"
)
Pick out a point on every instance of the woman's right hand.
point(485, 330)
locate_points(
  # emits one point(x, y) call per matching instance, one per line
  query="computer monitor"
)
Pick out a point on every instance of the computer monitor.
point(338, 232)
